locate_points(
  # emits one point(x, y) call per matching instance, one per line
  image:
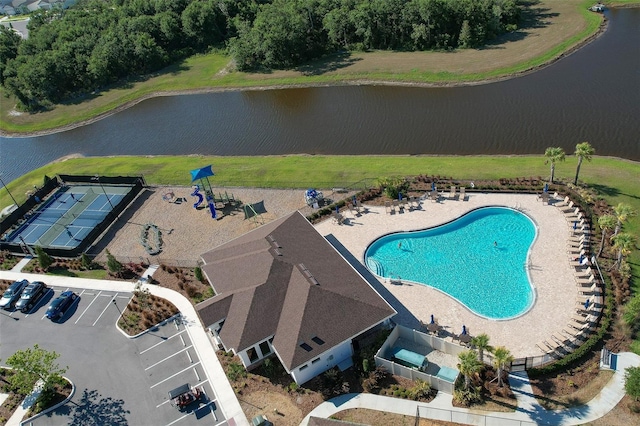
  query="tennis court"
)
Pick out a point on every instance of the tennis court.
point(68, 216)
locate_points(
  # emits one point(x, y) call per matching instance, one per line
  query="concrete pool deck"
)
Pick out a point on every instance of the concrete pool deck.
point(550, 272)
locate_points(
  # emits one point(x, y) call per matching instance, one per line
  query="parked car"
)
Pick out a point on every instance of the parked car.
point(12, 294)
point(31, 295)
point(61, 304)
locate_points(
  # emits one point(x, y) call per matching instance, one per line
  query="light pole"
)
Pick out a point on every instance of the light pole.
point(97, 178)
point(9, 192)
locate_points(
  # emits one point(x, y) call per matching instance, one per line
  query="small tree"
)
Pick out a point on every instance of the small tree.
point(44, 260)
point(113, 265)
point(606, 223)
point(501, 357)
point(468, 366)
point(393, 186)
point(584, 151)
point(481, 343)
point(624, 244)
point(632, 382)
point(623, 212)
point(35, 364)
point(86, 261)
point(553, 156)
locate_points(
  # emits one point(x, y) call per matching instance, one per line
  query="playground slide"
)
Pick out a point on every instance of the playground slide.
point(196, 193)
point(212, 208)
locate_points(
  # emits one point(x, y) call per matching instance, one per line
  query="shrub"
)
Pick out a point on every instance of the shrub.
point(198, 273)
point(236, 371)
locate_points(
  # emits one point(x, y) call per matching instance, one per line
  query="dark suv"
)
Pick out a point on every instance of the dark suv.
point(31, 296)
point(12, 294)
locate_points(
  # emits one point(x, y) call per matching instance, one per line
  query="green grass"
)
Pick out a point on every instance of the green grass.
point(613, 179)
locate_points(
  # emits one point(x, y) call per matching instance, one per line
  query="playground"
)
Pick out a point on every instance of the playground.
point(193, 230)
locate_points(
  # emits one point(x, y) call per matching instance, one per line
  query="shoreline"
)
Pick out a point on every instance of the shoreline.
point(358, 82)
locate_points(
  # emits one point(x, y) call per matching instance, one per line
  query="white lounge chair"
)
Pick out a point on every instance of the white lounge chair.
point(462, 194)
point(452, 193)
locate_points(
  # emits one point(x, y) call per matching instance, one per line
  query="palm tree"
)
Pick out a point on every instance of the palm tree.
point(501, 357)
point(623, 213)
point(584, 151)
point(606, 223)
point(468, 366)
point(481, 343)
point(553, 155)
point(624, 243)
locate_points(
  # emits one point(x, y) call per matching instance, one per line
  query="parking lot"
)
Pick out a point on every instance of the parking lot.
point(118, 380)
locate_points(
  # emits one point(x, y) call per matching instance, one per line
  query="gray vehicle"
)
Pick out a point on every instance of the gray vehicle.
point(12, 294)
point(31, 296)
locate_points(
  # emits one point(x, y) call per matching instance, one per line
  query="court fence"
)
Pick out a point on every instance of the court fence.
point(465, 417)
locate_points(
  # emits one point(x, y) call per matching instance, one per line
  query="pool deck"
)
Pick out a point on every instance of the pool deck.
point(550, 271)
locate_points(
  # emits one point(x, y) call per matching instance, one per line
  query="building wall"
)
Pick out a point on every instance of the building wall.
point(324, 362)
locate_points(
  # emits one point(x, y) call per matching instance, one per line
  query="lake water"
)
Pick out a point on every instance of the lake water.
point(592, 95)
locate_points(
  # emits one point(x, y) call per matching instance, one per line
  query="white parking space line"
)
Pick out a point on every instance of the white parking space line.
point(87, 308)
point(172, 376)
point(159, 343)
point(113, 299)
point(195, 372)
point(195, 386)
point(178, 419)
point(163, 360)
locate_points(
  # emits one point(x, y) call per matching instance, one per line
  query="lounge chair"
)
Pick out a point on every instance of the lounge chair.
point(396, 207)
point(586, 282)
point(462, 194)
point(563, 203)
point(569, 207)
point(584, 272)
point(452, 193)
point(544, 197)
point(337, 218)
point(546, 347)
point(594, 290)
point(433, 195)
point(387, 206)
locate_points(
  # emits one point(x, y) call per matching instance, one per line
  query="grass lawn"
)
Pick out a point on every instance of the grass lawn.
point(613, 179)
point(549, 28)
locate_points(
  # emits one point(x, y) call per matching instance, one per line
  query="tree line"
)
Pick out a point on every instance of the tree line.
point(98, 42)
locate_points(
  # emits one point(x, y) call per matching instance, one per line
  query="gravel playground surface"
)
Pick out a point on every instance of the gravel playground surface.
point(188, 232)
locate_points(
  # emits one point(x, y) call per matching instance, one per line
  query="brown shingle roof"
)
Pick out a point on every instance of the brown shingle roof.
point(288, 281)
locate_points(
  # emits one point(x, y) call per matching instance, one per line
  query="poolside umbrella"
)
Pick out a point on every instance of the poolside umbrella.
point(433, 321)
point(337, 209)
point(546, 187)
point(433, 186)
point(586, 304)
point(575, 225)
point(464, 329)
point(581, 258)
point(400, 196)
point(355, 200)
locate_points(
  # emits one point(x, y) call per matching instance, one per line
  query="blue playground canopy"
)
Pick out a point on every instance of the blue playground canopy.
point(202, 172)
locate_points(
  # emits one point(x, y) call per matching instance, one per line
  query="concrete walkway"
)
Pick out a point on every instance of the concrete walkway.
point(528, 411)
point(225, 396)
point(22, 409)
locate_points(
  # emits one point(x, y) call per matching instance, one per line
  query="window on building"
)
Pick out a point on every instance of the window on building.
point(306, 347)
point(265, 349)
point(315, 360)
point(318, 340)
point(303, 367)
point(252, 354)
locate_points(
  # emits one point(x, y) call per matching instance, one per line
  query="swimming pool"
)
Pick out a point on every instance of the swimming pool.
point(480, 259)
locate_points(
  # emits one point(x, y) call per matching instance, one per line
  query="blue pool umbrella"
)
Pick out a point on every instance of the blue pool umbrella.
point(586, 304)
point(400, 196)
point(464, 329)
point(337, 209)
point(546, 187)
point(433, 321)
point(575, 225)
point(433, 186)
point(581, 258)
point(355, 200)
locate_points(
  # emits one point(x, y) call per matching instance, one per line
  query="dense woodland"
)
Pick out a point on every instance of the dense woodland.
point(98, 42)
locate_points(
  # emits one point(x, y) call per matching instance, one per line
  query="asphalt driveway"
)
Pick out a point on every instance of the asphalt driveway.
point(118, 380)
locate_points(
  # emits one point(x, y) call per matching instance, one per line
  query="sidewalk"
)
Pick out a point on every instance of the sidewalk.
point(528, 411)
point(225, 395)
point(21, 411)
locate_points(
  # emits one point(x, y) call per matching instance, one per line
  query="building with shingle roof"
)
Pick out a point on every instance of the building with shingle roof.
point(283, 290)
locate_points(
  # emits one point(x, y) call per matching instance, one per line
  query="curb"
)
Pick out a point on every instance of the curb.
point(128, 336)
point(54, 407)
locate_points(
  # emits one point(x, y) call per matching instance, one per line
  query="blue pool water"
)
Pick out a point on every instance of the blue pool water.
point(479, 259)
